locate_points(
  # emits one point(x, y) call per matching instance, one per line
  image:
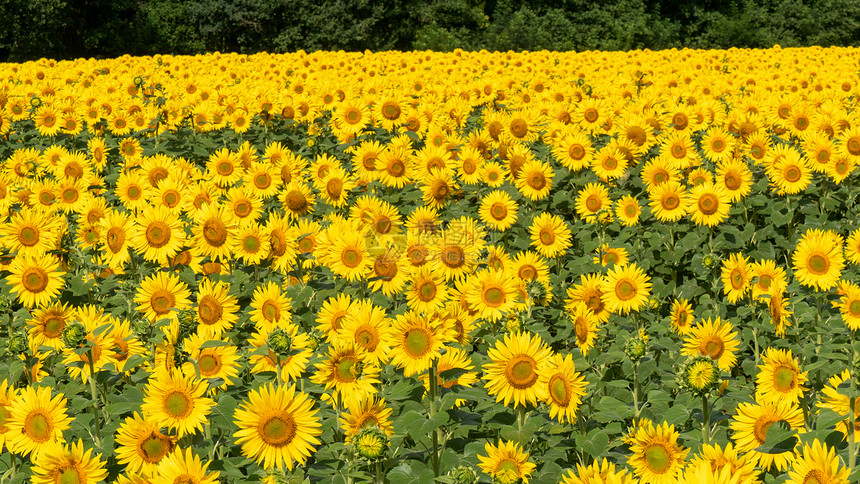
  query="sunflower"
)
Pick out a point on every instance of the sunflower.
point(718, 144)
point(283, 246)
point(250, 243)
point(627, 210)
point(656, 172)
point(790, 173)
point(366, 412)
point(817, 463)
point(438, 187)
point(183, 466)
point(752, 422)
point(262, 181)
point(616, 256)
point(534, 179)
point(175, 400)
point(36, 421)
point(332, 315)
point(736, 277)
point(212, 362)
point(47, 324)
point(157, 234)
point(682, 317)
point(367, 327)
point(498, 210)
point(161, 293)
point(716, 458)
point(216, 308)
point(678, 150)
point(849, 304)
point(30, 233)
point(349, 256)
point(709, 204)
point(8, 393)
point(223, 167)
point(564, 387)
point(344, 372)
point(589, 292)
point(513, 372)
point(453, 359)
point(61, 464)
point(669, 201)
point(37, 281)
point(735, 178)
point(350, 117)
point(294, 364)
point(550, 235)
point(713, 338)
point(609, 163)
point(213, 227)
point(780, 377)
point(277, 426)
point(416, 340)
point(47, 120)
point(494, 174)
point(506, 463)
point(769, 279)
point(141, 445)
point(270, 307)
point(625, 288)
point(597, 473)
point(817, 259)
point(834, 398)
point(656, 456)
point(244, 205)
point(592, 200)
point(585, 326)
point(779, 313)
point(395, 166)
point(493, 294)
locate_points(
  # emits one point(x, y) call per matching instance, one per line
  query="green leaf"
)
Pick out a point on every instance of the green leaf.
point(780, 438)
point(412, 472)
point(611, 410)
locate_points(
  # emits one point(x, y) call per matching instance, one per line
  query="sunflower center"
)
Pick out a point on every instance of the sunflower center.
point(307, 244)
point(817, 264)
point(351, 257)
point(209, 310)
point(385, 269)
point(277, 430)
point(382, 225)
point(580, 327)
point(396, 168)
point(559, 390)
point(630, 211)
point(178, 405)
point(157, 234)
point(417, 255)
point(453, 256)
point(367, 337)
point(225, 168)
point(70, 475)
point(737, 279)
point(712, 347)
point(537, 181)
point(764, 281)
point(576, 152)
point(709, 204)
point(271, 311)
point(610, 163)
point(591, 115)
point(761, 427)
point(519, 128)
point(278, 242)
point(53, 326)
point(853, 146)
point(352, 116)
point(784, 379)
point(498, 211)
point(625, 289)
point(520, 372)
point(547, 237)
point(792, 174)
point(34, 279)
point(334, 187)
point(815, 476)
point(343, 370)
point(507, 471)
point(38, 426)
point(660, 177)
point(70, 195)
point(209, 364)
point(215, 232)
point(243, 208)
point(262, 181)
point(854, 308)
point(679, 151)
point(154, 447)
point(390, 110)
point(671, 201)
point(417, 342)
point(427, 291)
point(718, 145)
point(296, 201)
point(527, 272)
point(593, 203)
point(493, 296)
point(658, 458)
point(162, 301)
point(115, 239)
point(28, 236)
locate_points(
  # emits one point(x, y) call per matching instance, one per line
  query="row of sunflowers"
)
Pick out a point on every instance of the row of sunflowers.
point(588, 267)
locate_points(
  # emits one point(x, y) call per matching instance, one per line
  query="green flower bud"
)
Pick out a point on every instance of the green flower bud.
point(710, 261)
point(74, 335)
point(635, 349)
point(464, 475)
point(17, 344)
point(699, 375)
point(371, 443)
point(280, 342)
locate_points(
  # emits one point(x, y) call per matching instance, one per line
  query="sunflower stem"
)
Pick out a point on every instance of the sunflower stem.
point(95, 396)
point(706, 421)
point(432, 383)
point(379, 479)
point(755, 341)
point(636, 389)
point(850, 428)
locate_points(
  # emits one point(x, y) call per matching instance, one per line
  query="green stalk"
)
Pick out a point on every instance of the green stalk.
point(852, 449)
point(636, 389)
point(95, 396)
point(379, 479)
point(434, 456)
point(706, 420)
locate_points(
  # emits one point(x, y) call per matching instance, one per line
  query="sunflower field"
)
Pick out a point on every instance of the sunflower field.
point(414, 267)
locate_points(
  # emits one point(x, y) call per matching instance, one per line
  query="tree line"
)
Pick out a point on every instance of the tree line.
point(65, 29)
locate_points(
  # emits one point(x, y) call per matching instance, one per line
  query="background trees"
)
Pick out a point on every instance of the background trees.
point(106, 28)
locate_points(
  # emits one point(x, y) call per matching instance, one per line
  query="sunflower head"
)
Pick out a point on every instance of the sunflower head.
point(635, 349)
point(16, 344)
point(699, 375)
point(280, 342)
point(463, 475)
point(371, 443)
point(74, 335)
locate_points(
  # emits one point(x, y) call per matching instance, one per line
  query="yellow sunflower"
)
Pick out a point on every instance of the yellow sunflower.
point(564, 387)
point(498, 210)
point(61, 464)
point(682, 316)
point(213, 227)
point(161, 293)
point(833, 397)
point(709, 204)
point(223, 167)
point(140, 445)
point(715, 339)
point(588, 291)
point(735, 275)
point(349, 256)
point(30, 233)
point(656, 458)
point(36, 421)
point(513, 372)
point(157, 234)
point(492, 294)
point(716, 457)
point(344, 373)
point(585, 325)
point(735, 178)
point(183, 466)
point(598, 473)
point(817, 463)
point(277, 426)
point(416, 340)
point(219, 361)
point(175, 400)
point(37, 281)
point(8, 393)
point(625, 288)
point(292, 365)
point(780, 377)
point(46, 326)
point(506, 462)
point(849, 305)
point(366, 412)
point(669, 201)
point(817, 259)
point(752, 422)
point(332, 315)
point(550, 235)
point(769, 279)
point(534, 180)
point(366, 326)
point(270, 307)
point(592, 200)
point(628, 211)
